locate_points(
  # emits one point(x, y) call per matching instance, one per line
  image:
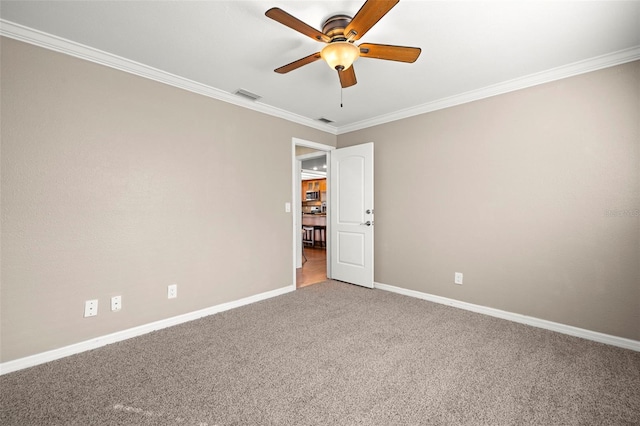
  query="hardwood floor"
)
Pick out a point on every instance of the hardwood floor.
point(314, 270)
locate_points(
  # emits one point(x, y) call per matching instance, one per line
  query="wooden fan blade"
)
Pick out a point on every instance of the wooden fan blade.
point(292, 22)
point(370, 13)
point(297, 64)
point(347, 77)
point(390, 53)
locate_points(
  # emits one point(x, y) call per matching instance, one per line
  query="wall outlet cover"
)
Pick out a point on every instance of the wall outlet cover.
point(116, 303)
point(172, 291)
point(457, 278)
point(91, 308)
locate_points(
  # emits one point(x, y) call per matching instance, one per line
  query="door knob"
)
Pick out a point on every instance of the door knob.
point(368, 223)
point(369, 211)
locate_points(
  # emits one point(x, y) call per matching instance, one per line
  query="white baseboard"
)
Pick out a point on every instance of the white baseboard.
point(41, 358)
point(522, 319)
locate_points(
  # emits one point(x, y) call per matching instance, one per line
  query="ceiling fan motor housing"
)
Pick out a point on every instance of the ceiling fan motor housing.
point(335, 25)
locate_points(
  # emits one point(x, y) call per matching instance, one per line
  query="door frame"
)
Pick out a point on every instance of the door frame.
point(296, 209)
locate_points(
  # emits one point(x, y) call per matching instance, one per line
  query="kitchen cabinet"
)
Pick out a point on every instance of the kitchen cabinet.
point(318, 185)
point(314, 185)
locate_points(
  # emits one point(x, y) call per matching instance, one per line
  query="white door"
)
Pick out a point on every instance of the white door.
point(351, 203)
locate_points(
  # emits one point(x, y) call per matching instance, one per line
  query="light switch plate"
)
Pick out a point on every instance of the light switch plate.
point(457, 279)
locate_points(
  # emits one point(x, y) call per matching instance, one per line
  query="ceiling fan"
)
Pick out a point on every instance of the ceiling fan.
point(340, 32)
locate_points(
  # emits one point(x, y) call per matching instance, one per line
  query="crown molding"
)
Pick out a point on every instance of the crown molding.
point(38, 38)
point(58, 44)
point(593, 64)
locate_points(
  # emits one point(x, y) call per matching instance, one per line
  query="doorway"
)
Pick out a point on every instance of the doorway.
point(314, 217)
point(311, 252)
point(349, 212)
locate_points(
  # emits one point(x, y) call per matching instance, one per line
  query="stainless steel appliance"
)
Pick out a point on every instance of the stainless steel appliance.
point(312, 195)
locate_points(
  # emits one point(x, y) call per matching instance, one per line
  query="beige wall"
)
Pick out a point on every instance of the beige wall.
point(117, 185)
point(302, 150)
point(514, 192)
point(114, 184)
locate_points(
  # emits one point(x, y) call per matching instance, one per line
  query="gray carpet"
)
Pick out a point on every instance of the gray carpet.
point(334, 354)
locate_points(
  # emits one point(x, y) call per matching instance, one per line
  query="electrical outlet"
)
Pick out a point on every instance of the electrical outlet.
point(457, 279)
point(116, 303)
point(172, 291)
point(91, 308)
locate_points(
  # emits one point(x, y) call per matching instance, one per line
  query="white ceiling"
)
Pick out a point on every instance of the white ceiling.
point(470, 49)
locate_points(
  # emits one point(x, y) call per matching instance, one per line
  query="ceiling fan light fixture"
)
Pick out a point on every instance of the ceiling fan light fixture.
point(340, 55)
